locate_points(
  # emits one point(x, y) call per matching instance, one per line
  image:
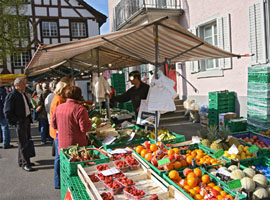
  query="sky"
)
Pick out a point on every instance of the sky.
point(101, 6)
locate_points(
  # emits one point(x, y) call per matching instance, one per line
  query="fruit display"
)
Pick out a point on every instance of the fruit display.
point(121, 155)
point(155, 152)
point(93, 177)
point(219, 139)
point(132, 163)
point(198, 185)
point(102, 167)
point(133, 193)
point(253, 139)
point(107, 196)
point(251, 180)
point(114, 186)
point(121, 165)
point(266, 133)
point(163, 134)
point(77, 154)
point(126, 182)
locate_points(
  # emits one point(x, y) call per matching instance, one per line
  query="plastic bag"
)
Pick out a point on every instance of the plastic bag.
point(100, 88)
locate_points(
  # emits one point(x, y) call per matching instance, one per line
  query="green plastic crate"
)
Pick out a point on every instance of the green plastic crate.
point(236, 126)
point(213, 179)
point(71, 167)
point(179, 138)
point(221, 95)
point(259, 77)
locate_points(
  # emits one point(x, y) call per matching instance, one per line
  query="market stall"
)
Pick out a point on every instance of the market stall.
point(148, 43)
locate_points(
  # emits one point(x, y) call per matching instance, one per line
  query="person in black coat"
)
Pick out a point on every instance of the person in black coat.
point(17, 111)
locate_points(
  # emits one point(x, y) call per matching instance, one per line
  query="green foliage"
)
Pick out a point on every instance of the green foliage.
point(14, 27)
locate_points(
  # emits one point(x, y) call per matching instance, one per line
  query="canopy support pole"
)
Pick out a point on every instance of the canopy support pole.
point(180, 54)
point(156, 76)
point(134, 54)
point(98, 71)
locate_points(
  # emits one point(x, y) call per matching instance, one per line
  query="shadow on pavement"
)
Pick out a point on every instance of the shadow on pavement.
point(45, 162)
point(43, 168)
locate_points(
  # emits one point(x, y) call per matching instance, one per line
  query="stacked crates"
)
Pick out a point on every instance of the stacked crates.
point(118, 83)
point(220, 102)
point(259, 96)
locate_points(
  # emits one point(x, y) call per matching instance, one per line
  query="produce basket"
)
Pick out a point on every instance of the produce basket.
point(213, 180)
point(262, 139)
point(71, 167)
point(178, 138)
point(259, 163)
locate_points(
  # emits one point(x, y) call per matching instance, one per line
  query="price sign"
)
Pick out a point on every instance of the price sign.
point(219, 153)
point(110, 171)
point(253, 149)
point(233, 150)
point(235, 184)
point(118, 151)
point(108, 140)
point(163, 162)
point(195, 139)
point(223, 171)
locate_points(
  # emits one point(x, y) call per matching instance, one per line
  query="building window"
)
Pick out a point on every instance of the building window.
point(209, 34)
point(21, 59)
point(49, 29)
point(78, 30)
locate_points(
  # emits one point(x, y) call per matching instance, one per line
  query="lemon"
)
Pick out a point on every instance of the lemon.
point(233, 156)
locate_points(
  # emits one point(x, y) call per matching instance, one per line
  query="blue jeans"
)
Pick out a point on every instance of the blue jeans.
point(5, 132)
point(56, 166)
point(44, 129)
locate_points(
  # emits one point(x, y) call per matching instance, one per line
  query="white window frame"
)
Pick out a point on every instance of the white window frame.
point(80, 31)
point(21, 59)
point(52, 30)
point(223, 42)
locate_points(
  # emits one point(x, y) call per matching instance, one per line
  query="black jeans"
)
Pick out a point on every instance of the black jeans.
point(24, 135)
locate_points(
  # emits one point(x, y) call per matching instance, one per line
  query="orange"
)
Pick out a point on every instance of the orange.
point(153, 147)
point(217, 188)
point(174, 175)
point(177, 165)
point(223, 193)
point(194, 154)
point(143, 152)
point(169, 167)
point(198, 197)
point(230, 196)
point(192, 181)
point(191, 174)
point(211, 184)
point(197, 189)
point(183, 163)
point(197, 172)
point(176, 150)
point(206, 179)
point(188, 151)
point(186, 188)
point(192, 192)
point(148, 156)
point(171, 152)
point(139, 149)
point(189, 159)
point(219, 197)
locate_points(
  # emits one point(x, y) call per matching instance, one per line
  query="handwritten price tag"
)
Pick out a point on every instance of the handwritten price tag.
point(219, 153)
point(253, 149)
point(110, 172)
point(163, 161)
point(108, 140)
point(233, 150)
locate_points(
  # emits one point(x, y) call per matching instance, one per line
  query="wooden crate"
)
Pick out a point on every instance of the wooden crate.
point(144, 178)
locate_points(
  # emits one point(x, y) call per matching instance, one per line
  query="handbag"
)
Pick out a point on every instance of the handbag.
point(31, 149)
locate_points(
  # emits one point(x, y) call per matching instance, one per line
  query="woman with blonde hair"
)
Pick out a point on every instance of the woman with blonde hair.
point(59, 98)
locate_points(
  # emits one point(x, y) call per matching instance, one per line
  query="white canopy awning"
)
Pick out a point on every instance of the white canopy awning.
point(126, 48)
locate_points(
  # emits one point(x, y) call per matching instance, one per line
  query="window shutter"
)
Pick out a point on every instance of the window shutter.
point(194, 65)
point(257, 39)
point(224, 39)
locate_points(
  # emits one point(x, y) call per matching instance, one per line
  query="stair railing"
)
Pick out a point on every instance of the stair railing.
point(194, 88)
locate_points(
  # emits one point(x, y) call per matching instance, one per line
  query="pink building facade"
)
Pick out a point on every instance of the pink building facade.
point(241, 27)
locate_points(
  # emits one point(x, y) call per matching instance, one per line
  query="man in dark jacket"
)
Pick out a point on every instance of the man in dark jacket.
point(17, 112)
point(3, 120)
point(138, 92)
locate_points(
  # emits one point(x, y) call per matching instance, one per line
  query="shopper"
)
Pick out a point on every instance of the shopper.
point(17, 111)
point(71, 120)
point(138, 92)
point(58, 99)
point(5, 134)
point(42, 114)
point(49, 98)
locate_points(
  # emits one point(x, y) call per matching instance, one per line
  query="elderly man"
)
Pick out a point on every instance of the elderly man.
point(3, 120)
point(17, 112)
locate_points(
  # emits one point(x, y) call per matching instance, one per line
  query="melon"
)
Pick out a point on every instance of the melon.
point(232, 168)
point(260, 180)
point(249, 172)
point(237, 174)
point(248, 184)
point(259, 193)
point(268, 189)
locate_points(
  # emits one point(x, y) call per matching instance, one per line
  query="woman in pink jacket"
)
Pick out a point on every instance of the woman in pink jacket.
point(71, 120)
